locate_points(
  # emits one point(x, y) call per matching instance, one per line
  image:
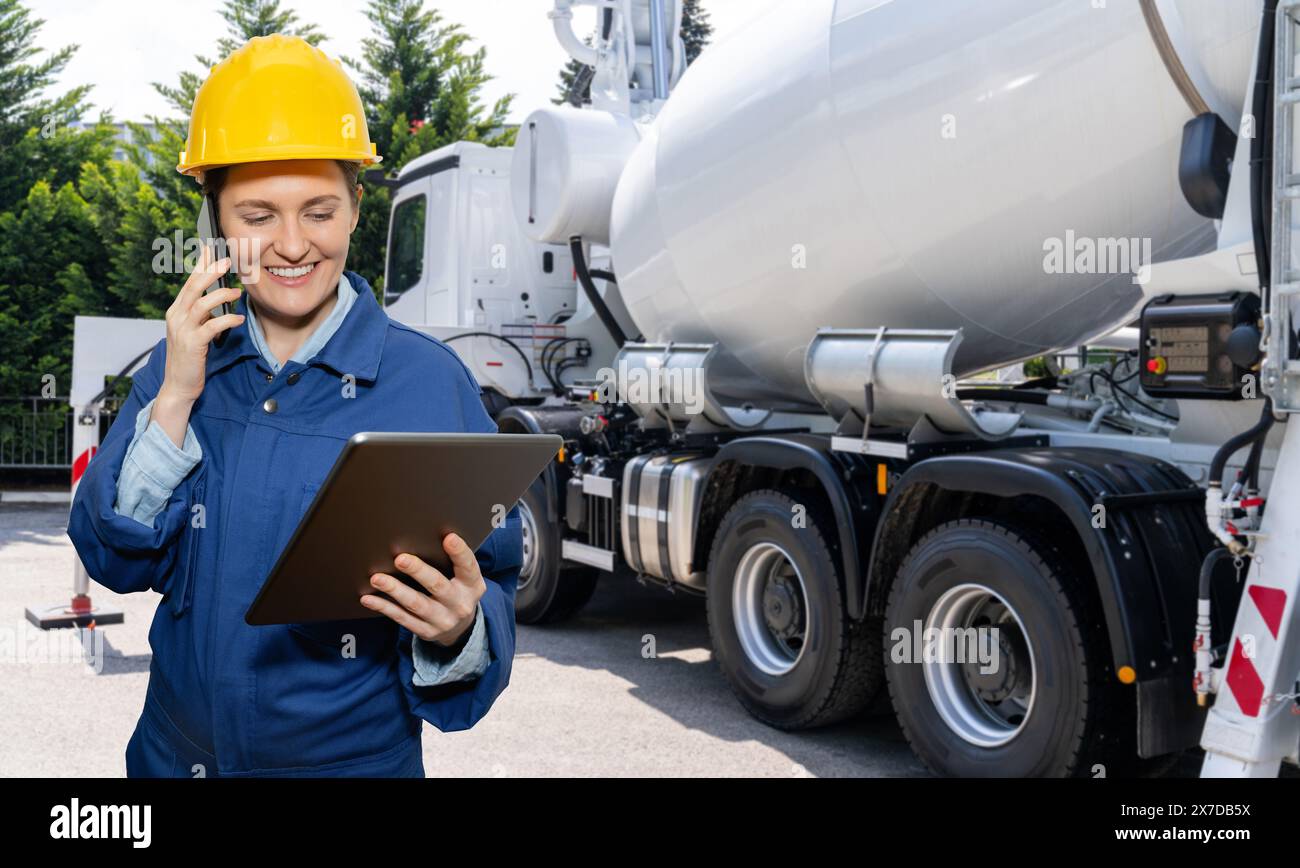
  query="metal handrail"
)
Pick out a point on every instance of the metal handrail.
point(36, 432)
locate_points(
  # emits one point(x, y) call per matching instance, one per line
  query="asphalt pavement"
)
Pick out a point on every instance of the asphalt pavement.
point(583, 699)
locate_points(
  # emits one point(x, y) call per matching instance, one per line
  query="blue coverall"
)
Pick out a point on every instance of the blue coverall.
point(229, 699)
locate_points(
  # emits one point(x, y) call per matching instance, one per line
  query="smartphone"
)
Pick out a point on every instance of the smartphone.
point(210, 235)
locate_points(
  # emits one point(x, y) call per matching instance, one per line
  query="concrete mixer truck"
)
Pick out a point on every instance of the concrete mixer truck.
point(944, 349)
point(778, 306)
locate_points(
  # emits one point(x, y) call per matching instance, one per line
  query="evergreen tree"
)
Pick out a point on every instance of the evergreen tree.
point(134, 219)
point(36, 139)
point(696, 29)
point(51, 259)
point(569, 75)
point(46, 278)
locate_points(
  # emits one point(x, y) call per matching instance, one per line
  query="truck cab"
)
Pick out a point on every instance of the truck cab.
point(458, 264)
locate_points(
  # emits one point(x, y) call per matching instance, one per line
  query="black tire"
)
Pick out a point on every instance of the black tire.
point(1076, 718)
point(837, 670)
point(548, 591)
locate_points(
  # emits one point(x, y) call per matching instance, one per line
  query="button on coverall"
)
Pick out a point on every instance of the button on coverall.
point(325, 698)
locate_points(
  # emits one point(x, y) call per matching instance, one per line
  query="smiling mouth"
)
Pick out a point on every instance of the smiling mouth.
point(293, 271)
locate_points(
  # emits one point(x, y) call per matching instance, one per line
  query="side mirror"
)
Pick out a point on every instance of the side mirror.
point(376, 178)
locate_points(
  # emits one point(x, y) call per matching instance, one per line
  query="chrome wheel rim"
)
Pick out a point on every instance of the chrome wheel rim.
point(986, 709)
point(770, 608)
point(528, 568)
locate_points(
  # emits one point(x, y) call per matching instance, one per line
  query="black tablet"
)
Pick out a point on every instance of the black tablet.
point(416, 488)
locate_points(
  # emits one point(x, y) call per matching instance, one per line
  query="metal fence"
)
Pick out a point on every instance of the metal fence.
point(36, 433)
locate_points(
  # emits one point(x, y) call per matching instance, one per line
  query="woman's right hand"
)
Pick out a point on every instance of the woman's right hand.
point(190, 330)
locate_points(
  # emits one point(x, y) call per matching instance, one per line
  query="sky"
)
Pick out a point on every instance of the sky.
point(127, 44)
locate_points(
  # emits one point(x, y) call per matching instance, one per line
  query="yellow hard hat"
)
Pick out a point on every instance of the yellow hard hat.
point(276, 98)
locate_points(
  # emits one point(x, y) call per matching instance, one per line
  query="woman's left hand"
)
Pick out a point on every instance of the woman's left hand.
point(448, 610)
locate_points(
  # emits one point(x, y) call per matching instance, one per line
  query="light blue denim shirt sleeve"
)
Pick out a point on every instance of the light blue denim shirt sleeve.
point(153, 467)
point(431, 663)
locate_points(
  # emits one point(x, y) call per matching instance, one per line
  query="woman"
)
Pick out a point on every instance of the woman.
point(219, 450)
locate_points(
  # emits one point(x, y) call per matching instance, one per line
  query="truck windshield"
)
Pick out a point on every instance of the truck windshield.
point(406, 247)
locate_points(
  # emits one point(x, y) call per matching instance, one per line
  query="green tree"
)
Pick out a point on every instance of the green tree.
point(46, 278)
point(51, 258)
point(36, 140)
point(420, 84)
point(574, 85)
point(132, 215)
point(696, 29)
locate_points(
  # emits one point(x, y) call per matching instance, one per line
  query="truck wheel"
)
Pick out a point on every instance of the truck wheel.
point(1031, 699)
point(547, 591)
point(777, 618)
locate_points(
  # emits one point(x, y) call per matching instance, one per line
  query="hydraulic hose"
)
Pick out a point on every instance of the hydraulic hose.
point(1207, 571)
point(1015, 396)
point(1214, 499)
point(1204, 642)
point(1026, 396)
point(514, 346)
point(584, 278)
point(1245, 438)
point(103, 393)
point(1261, 149)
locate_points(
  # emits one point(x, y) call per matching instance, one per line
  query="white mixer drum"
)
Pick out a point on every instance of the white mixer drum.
point(908, 164)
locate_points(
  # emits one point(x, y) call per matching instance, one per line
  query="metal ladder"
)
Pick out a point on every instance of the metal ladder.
point(1281, 373)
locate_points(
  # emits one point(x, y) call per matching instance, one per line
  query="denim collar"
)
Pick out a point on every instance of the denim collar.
point(316, 340)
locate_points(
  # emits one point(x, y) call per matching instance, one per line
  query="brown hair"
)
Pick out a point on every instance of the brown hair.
point(215, 179)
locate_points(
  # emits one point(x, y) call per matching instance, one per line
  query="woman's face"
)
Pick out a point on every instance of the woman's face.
point(300, 216)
